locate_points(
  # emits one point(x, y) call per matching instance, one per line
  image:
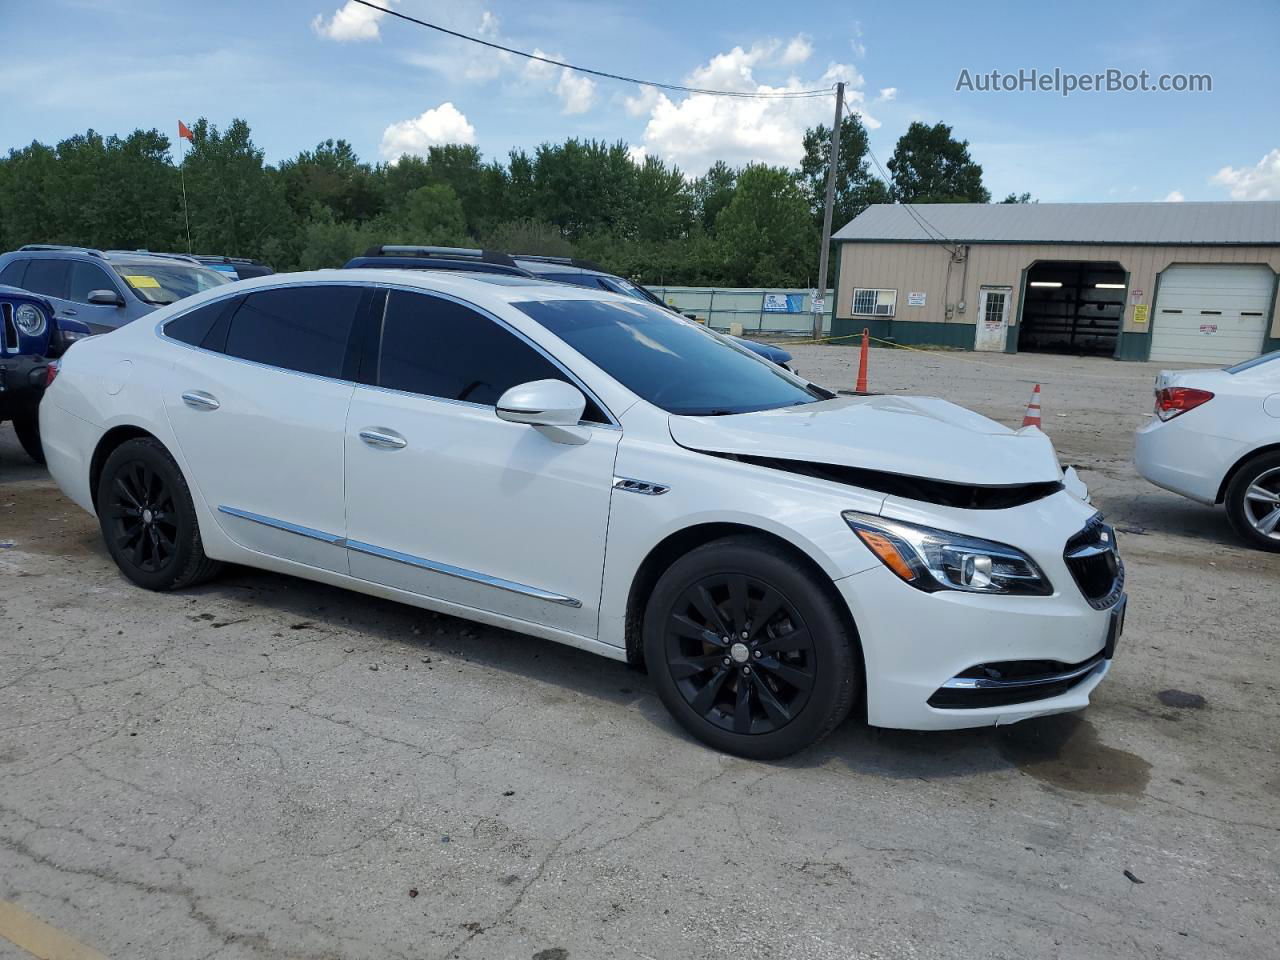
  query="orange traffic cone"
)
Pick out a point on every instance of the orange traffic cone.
point(1032, 417)
point(861, 385)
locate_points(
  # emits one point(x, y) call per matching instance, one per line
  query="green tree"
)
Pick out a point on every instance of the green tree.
point(333, 177)
point(766, 235)
point(527, 236)
point(712, 192)
point(430, 215)
point(930, 166)
point(857, 187)
point(1019, 198)
point(237, 207)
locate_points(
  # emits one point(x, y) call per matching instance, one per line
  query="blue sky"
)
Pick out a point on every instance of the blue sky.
point(303, 70)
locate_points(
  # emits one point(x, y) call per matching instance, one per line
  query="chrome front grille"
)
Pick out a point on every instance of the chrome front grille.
point(8, 332)
point(1094, 561)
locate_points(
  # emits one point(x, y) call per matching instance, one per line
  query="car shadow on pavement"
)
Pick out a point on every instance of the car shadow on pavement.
point(1151, 511)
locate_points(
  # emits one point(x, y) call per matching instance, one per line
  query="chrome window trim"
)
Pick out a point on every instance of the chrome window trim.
point(613, 423)
point(408, 559)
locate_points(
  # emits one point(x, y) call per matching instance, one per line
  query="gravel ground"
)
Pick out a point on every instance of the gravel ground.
point(265, 767)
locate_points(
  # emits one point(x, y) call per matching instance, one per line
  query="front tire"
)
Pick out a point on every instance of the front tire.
point(747, 649)
point(1253, 502)
point(148, 520)
point(28, 430)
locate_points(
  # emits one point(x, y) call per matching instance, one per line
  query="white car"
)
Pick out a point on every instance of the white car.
point(1215, 438)
point(583, 467)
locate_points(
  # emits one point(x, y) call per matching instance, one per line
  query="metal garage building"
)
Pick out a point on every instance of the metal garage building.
point(1189, 282)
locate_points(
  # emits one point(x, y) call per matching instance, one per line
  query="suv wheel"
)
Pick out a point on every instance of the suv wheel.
point(148, 519)
point(1253, 502)
point(748, 653)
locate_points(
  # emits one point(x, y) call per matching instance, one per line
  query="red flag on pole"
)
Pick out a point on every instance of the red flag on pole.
point(185, 132)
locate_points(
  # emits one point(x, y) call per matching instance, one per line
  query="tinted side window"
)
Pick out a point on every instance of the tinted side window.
point(86, 277)
point(439, 348)
point(299, 328)
point(12, 274)
point(193, 327)
point(47, 276)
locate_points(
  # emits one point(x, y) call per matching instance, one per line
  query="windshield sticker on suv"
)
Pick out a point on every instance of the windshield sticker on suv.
point(136, 280)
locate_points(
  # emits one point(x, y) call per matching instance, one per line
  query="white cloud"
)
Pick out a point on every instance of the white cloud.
point(887, 94)
point(1174, 196)
point(488, 24)
point(434, 127)
point(1260, 182)
point(351, 21)
point(577, 91)
point(798, 50)
point(697, 130)
point(637, 154)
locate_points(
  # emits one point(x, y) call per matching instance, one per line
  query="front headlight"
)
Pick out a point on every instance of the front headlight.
point(29, 319)
point(933, 560)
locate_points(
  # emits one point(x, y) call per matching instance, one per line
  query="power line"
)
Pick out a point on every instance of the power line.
point(930, 231)
point(741, 94)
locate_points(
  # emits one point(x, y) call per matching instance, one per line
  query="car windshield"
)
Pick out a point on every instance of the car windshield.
point(1255, 362)
point(160, 283)
point(670, 362)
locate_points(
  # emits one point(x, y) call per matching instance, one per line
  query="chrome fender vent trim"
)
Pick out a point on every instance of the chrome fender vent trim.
point(644, 487)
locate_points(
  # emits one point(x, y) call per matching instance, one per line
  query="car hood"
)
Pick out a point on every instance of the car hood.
point(910, 436)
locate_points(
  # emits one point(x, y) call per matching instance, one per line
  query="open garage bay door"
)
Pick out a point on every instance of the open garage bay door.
point(1211, 313)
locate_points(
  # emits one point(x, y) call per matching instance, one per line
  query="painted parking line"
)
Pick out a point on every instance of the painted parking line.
point(38, 938)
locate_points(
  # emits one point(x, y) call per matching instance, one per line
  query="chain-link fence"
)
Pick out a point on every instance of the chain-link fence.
point(774, 310)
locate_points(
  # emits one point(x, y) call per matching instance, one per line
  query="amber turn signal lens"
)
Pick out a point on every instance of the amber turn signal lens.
point(883, 548)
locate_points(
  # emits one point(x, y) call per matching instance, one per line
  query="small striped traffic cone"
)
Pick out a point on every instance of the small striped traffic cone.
point(1032, 416)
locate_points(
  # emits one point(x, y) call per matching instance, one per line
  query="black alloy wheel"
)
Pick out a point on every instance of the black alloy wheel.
point(148, 520)
point(749, 649)
point(740, 654)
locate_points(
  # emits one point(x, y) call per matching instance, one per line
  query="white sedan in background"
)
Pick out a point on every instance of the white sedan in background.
point(1215, 438)
point(590, 469)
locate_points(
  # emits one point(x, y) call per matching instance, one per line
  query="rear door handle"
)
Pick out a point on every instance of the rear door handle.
point(386, 439)
point(199, 400)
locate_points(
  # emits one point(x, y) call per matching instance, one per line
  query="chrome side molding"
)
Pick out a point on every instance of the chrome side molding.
point(408, 559)
point(285, 525)
point(1016, 683)
point(462, 573)
point(645, 487)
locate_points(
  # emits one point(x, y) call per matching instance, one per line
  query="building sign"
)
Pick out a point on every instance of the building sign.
point(915, 299)
point(818, 305)
point(1140, 314)
point(1208, 328)
point(784, 303)
point(1135, 296)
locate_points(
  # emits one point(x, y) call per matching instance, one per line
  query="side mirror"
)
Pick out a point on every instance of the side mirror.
point(552, 406)
point(106, 298)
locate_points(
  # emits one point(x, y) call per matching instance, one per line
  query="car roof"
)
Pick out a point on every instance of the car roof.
point(475, 287)
point(92, 255)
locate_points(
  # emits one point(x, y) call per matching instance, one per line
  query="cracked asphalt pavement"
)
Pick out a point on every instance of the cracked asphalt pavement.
point(269, 768)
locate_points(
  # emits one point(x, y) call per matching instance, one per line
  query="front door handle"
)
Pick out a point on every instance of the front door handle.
point(386, 439)
point(199, 400)
point(66, 312)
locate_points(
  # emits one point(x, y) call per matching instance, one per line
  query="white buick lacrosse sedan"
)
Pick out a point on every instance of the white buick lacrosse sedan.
point(587, 468)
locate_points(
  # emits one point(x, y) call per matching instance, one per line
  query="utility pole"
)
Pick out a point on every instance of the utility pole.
point(826, 212)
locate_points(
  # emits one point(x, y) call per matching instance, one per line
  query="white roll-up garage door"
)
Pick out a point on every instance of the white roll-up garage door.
point(1211, 313)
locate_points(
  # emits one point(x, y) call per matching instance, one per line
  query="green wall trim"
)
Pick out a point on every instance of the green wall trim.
point(849, 326)
point(1131, 345)
point(909, 331)
point(1270, 344)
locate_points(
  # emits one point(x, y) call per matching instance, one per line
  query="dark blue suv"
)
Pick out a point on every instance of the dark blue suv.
point(31, 338)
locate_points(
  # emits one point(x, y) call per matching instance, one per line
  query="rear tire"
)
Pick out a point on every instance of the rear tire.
point(28, 430)
point(747, 649)
point(148, 520)
point(1253, 502)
